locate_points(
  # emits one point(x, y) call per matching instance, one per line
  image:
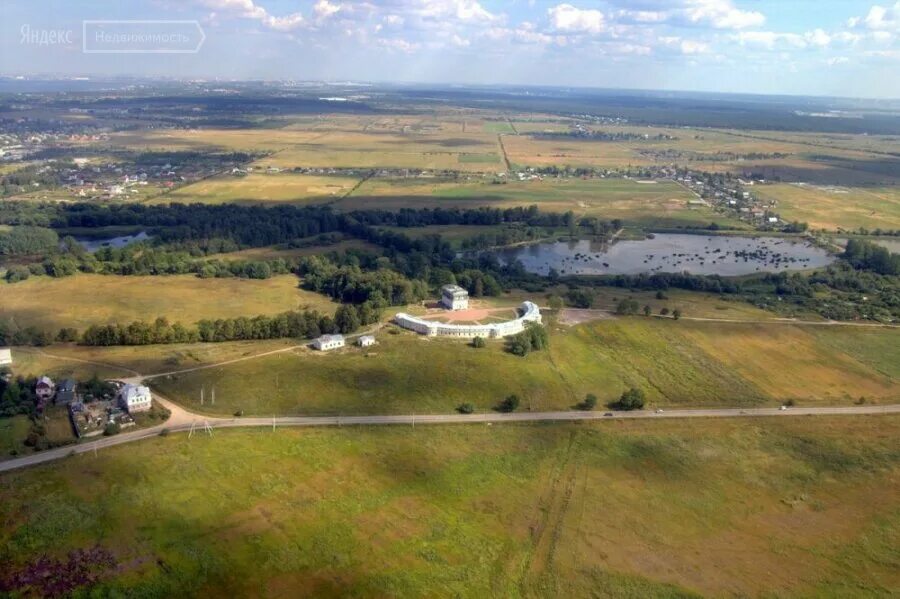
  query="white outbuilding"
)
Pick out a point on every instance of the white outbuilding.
point(366, 341)
point(327, 342)
point(5, 356)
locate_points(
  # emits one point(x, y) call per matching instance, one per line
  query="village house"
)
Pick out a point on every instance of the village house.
point(454, 297)
point(44, 388)
point(67, 392)
point(5, 356)
point(366, 341)
point(135, 398)
point(327, 342)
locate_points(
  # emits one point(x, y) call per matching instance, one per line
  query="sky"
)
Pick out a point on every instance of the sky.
point(810, 47)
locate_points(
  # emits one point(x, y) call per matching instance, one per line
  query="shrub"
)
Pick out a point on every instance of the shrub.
point(664, 311)
point(112, 428)
point(676, 313)
point(633, 399)
point(510, 404)
point(478, 342)
point(164, 432)
point(589, 402)
point(465, 408)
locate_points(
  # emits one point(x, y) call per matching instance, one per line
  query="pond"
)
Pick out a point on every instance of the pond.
point(726, 255)
point(94, 244)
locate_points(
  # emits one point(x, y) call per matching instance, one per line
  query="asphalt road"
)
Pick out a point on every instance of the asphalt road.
point(183, 421)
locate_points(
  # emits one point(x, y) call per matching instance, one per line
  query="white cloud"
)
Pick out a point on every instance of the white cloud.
point(398, 44)
point(817, 38)
point(459, 41)
point(324, 9)
point(247, 9)
point(879, 18)
point(693, 47)
point(721, 14)
point(836, 60)
point(567, 18)
point(769, 39)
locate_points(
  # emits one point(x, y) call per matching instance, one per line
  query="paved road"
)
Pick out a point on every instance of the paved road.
point(183, 420)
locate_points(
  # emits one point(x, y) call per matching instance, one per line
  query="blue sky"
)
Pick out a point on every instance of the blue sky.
point(815, 47)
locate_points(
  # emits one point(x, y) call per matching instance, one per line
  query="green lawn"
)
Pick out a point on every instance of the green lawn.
point(768, 507)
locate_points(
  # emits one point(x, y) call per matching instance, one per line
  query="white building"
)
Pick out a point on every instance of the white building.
point(44, 388)
point(366, 341)
point(528, 312)
point(327, 342)
point(454, 297)
point(135, 398)
point(5, 356)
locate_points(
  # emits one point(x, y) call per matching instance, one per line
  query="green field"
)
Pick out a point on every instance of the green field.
point(832, 208)
point(676, 363)
point(661, 204)
point(762, 507)
point(263, 189)
point(82, 300)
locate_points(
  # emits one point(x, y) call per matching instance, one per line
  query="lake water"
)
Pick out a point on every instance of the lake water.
point(696, 254)
point(92, 245)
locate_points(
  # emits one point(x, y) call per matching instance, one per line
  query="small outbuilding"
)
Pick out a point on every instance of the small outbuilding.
point(366, 341)
point(328, 342)
point(5, 356)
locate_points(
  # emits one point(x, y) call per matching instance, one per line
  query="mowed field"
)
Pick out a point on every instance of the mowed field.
point(82, 300)
point(262, 189)
point(678, 364)
point(832, 207)
point(763, 507)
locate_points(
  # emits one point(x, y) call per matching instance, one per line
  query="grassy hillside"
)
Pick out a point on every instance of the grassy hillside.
point(786, 507)
point(677, 363)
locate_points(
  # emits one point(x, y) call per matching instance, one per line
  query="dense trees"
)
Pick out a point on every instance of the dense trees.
point(28, 240)
point(866, 255)
point(533, 338)
point(632, 399)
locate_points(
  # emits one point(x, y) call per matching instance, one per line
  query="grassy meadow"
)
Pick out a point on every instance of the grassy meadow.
point(84, 299)
point(678, 364)
point(762, 507)
point(832, 208)
point(263, 189)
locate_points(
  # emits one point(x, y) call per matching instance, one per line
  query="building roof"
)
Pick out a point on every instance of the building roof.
point(5, 355)
point(367, 338)
point(327, 338)
point(67, 385)
point(453, 290)
point(131, 392)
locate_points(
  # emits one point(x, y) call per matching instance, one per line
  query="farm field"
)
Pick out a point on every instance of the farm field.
point(657, 204)
point(678, 364)
point(624, 509)
point(263, 189)
point(832, 208)
point(82, 300)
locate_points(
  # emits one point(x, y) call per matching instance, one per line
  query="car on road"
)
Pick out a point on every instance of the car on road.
point(608, 414)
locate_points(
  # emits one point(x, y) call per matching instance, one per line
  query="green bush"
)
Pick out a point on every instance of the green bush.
point(465, 408)
point(633, 399)
point(510, 404)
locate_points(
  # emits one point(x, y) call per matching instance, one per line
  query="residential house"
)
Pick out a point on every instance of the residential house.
point(67, 392)
point(44, 388)
point(135, 398)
